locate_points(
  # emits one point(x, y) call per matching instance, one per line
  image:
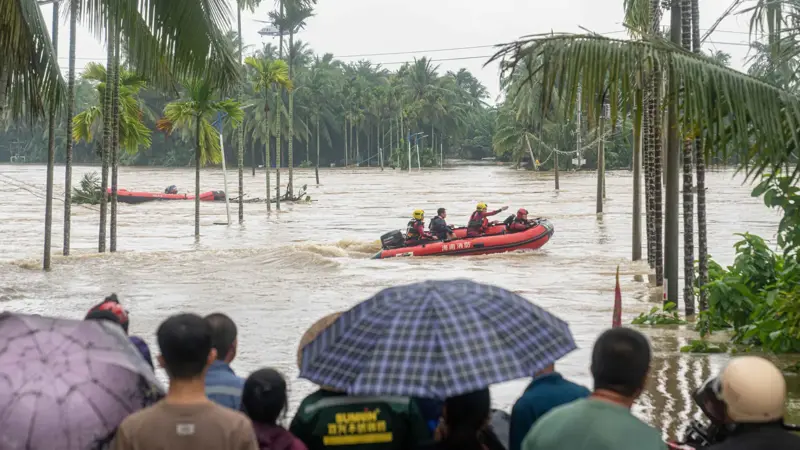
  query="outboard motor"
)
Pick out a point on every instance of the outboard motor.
point(393, 239)
point(219, 195)
point(171, 190)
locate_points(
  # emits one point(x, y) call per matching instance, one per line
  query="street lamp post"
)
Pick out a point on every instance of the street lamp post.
point(419, 164)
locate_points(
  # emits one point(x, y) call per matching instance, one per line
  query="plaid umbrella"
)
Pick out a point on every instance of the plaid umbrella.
point(435, 339)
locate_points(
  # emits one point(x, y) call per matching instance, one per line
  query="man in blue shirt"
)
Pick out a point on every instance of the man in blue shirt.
point(222, 384)
point(547, 391)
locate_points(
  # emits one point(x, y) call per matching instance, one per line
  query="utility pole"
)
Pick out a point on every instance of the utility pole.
point(578, 131)
point(636, 245)
point(601, 169)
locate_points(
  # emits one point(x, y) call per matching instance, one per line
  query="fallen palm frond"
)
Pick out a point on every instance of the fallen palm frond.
point(89, 191)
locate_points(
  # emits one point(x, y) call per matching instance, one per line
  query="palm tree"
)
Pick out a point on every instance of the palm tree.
point(73, 26)
point(295, 16)
point(51, 153)
point(133, 132)
point(319, 85)
point(195, 111)
point(700, 166)
point(267, 73)
point(688, 195)
point(107, 131)
point(241, 5)
point(171, 39)
point(760, 135)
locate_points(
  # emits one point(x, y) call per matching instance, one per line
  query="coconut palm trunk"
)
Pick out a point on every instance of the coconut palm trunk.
point(654, 111)
point(671, 232)
point(688, 196)
point(114, 146)
point(267, 157)
point(647, 163)
point(106, 149)
point(702, 238)
point(278, 113)
point(73, 26)
point(290, 138)
point(51, 156)
point(197, 152)
point(316, 168)
point(358, 150)
point(240, 140)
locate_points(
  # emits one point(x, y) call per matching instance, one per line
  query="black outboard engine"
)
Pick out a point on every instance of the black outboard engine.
point(171, 190)
point(219, 195)
point(393, 239)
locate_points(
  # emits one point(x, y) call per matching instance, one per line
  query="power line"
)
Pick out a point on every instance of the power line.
point(420, 51)
point(450, 49)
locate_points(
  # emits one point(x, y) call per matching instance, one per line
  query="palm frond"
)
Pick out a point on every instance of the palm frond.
point(166, 40)
point(725, 105)
point(30, 78)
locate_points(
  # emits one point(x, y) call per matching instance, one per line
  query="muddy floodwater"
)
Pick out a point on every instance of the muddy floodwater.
point(277, 273)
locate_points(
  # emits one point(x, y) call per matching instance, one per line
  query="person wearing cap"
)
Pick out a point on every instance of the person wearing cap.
point(748, 399)
point(331, 419)
point(110, 306)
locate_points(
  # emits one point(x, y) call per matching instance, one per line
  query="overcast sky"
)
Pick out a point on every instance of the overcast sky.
point(414, 28)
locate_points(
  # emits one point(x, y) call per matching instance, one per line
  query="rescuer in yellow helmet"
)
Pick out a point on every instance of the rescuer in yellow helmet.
point(478, 222)
point(415, 230)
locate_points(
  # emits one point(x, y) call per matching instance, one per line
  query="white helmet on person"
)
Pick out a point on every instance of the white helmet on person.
point(753, 390)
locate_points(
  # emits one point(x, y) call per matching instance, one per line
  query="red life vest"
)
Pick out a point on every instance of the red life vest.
point(475, 221)
point(412, 229)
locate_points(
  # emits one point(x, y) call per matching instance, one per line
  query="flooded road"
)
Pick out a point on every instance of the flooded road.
point(277, 273)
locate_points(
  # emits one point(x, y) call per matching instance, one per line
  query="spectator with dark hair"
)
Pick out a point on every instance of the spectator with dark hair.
point(465, 424)
point(110, 306)
point(620, 365)
point(264, 400)
point(222, 384)
point(185, 418)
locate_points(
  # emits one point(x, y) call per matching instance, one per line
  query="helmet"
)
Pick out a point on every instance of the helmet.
point(521, 213)
point(753, 390)
point(112, 305)
point(419, 214)
point(749, 390)
point(481, 206)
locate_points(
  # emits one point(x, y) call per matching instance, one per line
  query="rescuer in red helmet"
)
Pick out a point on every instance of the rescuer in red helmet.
point(520, 222)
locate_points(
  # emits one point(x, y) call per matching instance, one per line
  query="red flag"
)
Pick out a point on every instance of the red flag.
point(616, 319)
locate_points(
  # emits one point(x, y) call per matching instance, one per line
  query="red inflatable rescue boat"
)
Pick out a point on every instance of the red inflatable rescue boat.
point(531, 239)
point(124, 196)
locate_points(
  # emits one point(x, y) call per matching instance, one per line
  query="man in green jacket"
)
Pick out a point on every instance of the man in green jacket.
point(620, 364)
point(328, 419)
point(331, 419)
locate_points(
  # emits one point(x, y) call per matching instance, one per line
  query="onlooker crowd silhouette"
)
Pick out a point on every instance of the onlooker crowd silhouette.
point(208, 406)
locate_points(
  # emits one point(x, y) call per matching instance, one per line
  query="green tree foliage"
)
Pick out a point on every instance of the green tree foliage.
point(133, 133)
point(375, 101)
point(758, 296)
